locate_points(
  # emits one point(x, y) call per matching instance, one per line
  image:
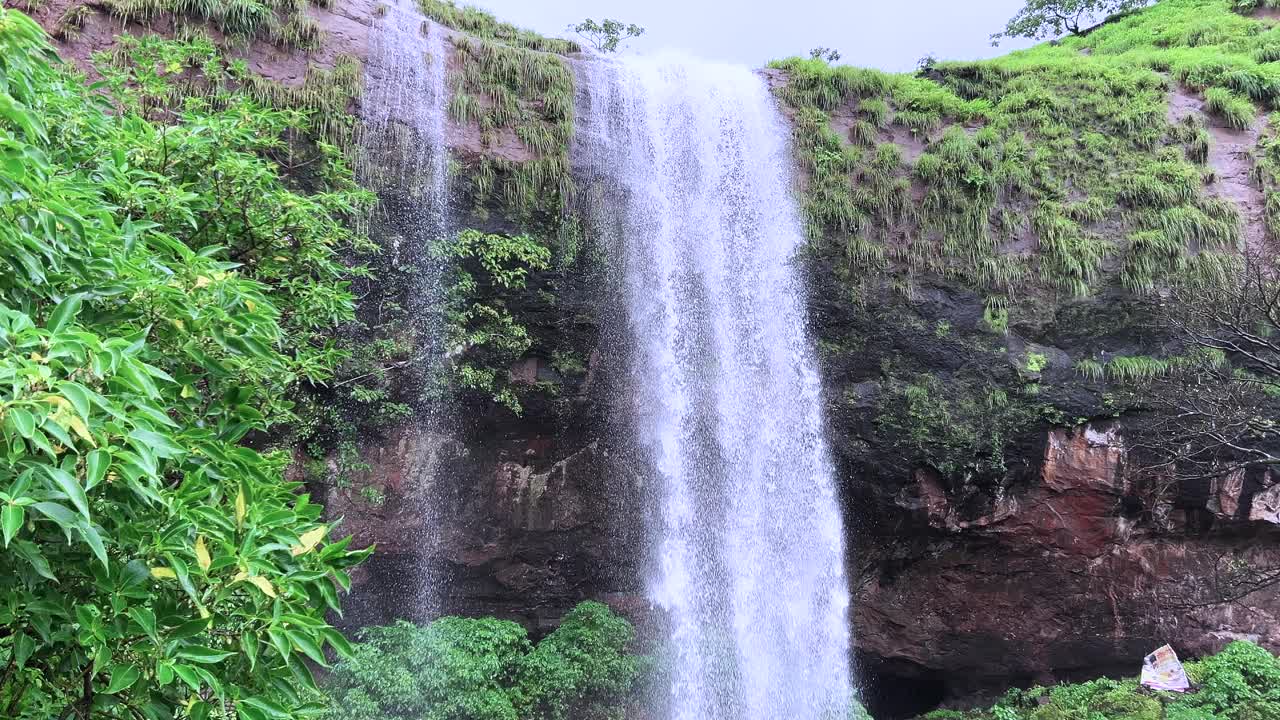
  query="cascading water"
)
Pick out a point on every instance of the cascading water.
point(405, 159)
point(691, 165)
point(404, 112)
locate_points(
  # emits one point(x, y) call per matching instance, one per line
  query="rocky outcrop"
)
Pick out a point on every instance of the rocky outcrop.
point(1060, 582)
point(503, 531)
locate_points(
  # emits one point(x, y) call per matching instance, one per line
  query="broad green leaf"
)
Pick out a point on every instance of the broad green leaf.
point(11, 517)
point(66, 518)
point(68, 484)
point(146, 620)
point(203, 655)
point(338, 641)
point(303, 642)
point(188, 675)
point(281, 643)
point(94, 540)
point(23, 422)
point(122, 678)
point(272, 710)
point(23, 646)
point(78, 395)
point(31, 553)
point(64, 312)
point(160, 443)
point(302, 674)
point(249, 644)
point(96, 464)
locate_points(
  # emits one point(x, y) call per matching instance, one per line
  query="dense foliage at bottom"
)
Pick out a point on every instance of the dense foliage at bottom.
point(1240, 683)
point(487, 669)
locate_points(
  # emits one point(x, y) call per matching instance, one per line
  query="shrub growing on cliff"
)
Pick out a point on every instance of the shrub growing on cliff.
point(482, 330)
point(1240, 683)
point(486, 669)
point(154, 564)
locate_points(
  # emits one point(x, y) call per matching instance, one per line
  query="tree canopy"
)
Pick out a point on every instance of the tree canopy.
point(606, 35)
point(164, 293)
point(1041, 19)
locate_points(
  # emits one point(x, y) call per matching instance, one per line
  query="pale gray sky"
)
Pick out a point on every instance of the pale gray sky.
point(887, 34)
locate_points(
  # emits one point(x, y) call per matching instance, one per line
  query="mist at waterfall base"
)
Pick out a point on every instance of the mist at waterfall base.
point(688, 167)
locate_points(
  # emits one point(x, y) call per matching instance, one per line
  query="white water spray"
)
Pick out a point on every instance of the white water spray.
point(405, 159)
point(692, 165)
point(404, 112)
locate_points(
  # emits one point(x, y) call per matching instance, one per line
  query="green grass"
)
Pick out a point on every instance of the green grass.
point(513, 80)
point(281, 22)
point(1051, 170)
point(324, 97)
point(484, 25)
point(1235, 110)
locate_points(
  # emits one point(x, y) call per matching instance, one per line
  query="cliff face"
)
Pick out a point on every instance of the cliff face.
point(995, 536)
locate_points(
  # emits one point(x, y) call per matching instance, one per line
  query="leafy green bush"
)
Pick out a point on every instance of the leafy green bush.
point(482, 329)
point(1240, 683)
point(486, 669)
point(163, 290)
point(582, 670)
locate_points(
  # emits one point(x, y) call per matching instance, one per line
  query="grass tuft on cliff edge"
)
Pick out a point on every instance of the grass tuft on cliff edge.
point(1052, 171)
point(511, 81)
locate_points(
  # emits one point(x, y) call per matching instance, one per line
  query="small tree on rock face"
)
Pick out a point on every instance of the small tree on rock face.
point(825, 53)
point(606, 35)
point(1040, 19)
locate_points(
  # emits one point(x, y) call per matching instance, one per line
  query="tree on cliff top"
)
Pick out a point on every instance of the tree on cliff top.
point(1041, 19)
point(607, 35)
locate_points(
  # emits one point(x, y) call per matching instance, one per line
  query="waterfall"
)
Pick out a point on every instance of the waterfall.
point(405, 159)
point(688, 173)
point(404, 112)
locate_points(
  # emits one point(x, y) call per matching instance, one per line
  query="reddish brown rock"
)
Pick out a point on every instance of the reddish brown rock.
point(1058, 580)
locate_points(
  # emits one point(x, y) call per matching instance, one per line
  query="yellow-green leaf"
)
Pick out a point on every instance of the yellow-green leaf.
point(163, 572)
point(202, 554)
point(264, 585)
point(76, 424)
point(308, 541)
point(240, 508)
